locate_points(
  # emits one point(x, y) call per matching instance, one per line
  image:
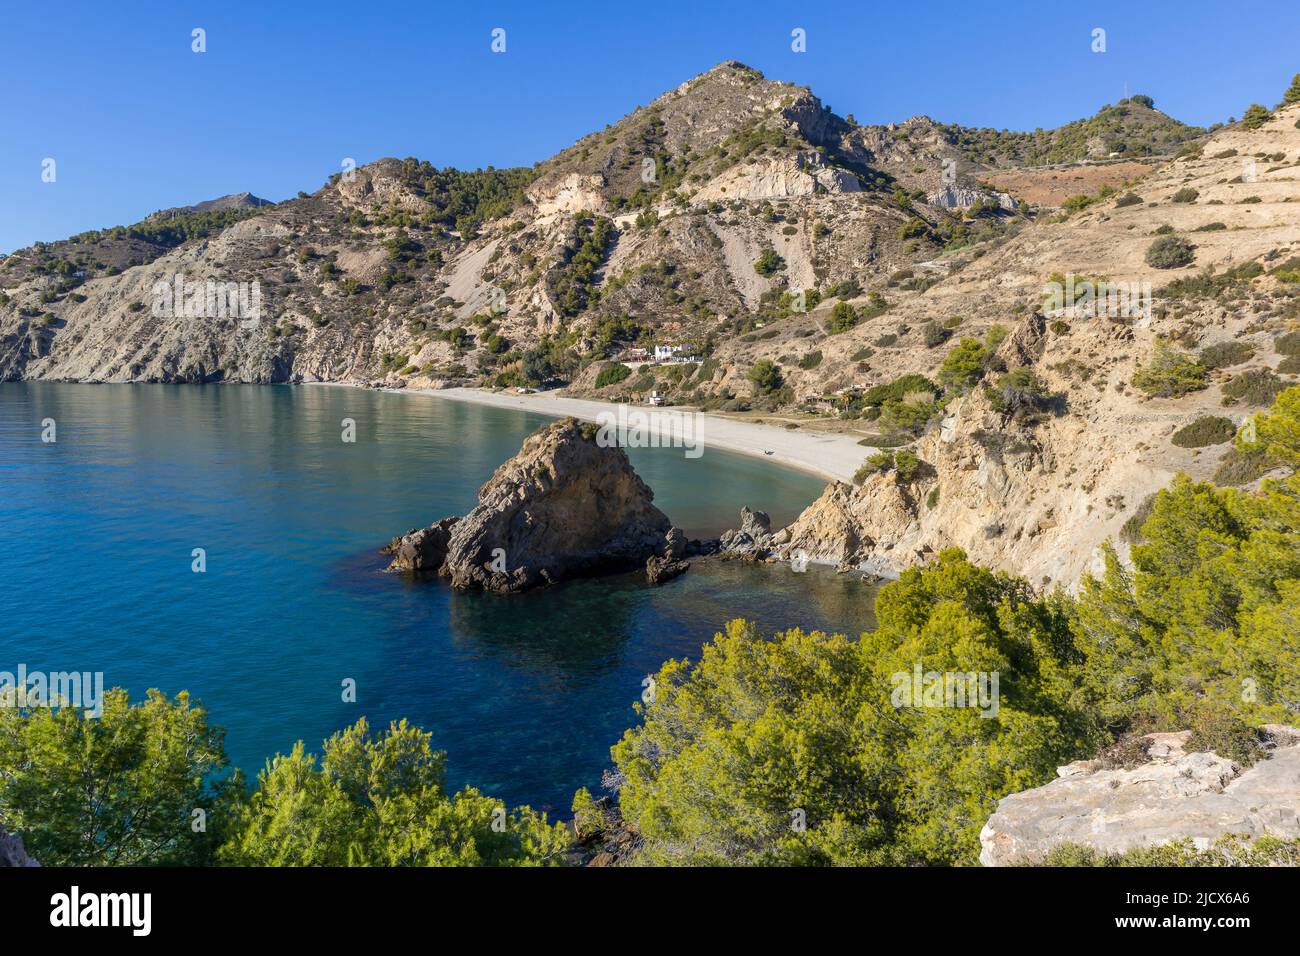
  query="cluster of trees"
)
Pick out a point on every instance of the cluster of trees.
point(462, 199)
point(150, 785)
point(790, 750)
point(574, 283)
point(786, 750)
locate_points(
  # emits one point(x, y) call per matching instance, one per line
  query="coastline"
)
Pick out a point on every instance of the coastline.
point(833, 457)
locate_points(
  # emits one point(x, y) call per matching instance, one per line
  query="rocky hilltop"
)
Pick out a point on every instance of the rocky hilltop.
point(1170, 795)
point(563, 507)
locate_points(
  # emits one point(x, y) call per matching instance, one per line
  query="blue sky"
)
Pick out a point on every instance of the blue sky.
point(136, 121)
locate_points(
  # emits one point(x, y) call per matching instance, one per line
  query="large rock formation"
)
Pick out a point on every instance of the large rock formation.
point(12, 852)
point(563, 507)
point(1174, 796)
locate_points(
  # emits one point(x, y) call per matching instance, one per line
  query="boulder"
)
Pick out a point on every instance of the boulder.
point(1173, 796)
point(422, 550)
point(564, 506)
point(754, 537)
point(661, 569)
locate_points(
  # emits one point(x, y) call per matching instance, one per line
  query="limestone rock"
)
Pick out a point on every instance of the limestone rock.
point(1175, 796)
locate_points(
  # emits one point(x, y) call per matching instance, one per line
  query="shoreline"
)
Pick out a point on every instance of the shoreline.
point(832, 457)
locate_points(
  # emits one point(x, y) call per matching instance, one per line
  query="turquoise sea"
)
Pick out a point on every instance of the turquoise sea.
point(525, 693)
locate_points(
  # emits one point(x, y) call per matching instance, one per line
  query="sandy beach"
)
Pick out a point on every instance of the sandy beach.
point(834, 457)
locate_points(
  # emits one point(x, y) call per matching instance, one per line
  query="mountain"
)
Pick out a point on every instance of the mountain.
point(741, 219)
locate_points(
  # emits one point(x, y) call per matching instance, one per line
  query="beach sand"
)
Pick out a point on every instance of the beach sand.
point(834, 457)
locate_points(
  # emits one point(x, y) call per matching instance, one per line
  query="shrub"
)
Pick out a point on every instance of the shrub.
point(912, 229)
point(1170, 252)
point(934, 334)
point(906, 464)
point(1019, 393)
point(1256, 116)
point(1164, 230)
point(765, 375)
point(769, 263)
point(1225, 354)
point(884, 441)
point(1259, 386)
point(964, 365)
point(886, 340)
point(1169, 374)
point(612, 374)
point(1185, 195)
point(880, 461)
point(1242, 465)
point(1288, 272)
point(810, 361)
point(843, 317)
point(1211, 227)
point(1288, 344)
point(1292, 94)
point(1206, 430)
point(932, 499)
point(1128, 199)
point(1131, 531)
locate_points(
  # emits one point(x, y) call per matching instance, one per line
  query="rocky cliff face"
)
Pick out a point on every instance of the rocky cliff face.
point(563, 507)
point(1175, 795)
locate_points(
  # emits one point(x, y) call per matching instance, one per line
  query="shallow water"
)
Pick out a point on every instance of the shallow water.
point(525, 693)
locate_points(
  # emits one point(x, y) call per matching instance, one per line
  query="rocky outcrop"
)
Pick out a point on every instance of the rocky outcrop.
point(754, 537)
point(843, 527)
point(12, 852)
point(422, 550)
point(563, 507)
point(1175, 795)
point(664, 567)
point(953, 196)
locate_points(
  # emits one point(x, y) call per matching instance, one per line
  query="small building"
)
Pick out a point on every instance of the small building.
point(656, 398)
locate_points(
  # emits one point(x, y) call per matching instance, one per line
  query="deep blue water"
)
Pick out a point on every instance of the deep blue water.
point(525, 693)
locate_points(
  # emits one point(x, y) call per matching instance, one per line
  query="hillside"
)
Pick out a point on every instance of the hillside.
point(811, 263)
point(1129, 129)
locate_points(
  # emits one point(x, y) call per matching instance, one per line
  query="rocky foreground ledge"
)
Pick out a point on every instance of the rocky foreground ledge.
point(563, 507)
point(1172, 795)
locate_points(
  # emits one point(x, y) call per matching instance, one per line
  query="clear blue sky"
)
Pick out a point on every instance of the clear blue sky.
point(285, 91)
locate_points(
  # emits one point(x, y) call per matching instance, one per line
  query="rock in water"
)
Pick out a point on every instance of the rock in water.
point(1174, 796)
point(422, 550)
point(754, 537)
point(563, 507)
